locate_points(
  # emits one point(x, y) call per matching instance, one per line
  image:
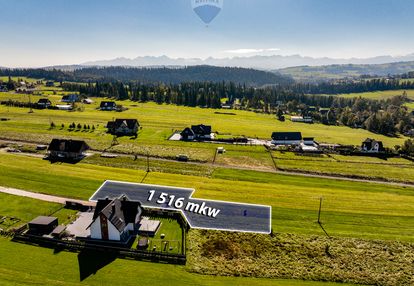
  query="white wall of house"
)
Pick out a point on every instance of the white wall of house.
point(286, 142)
point(96, 229)
point(113, 233)
point(129, 227)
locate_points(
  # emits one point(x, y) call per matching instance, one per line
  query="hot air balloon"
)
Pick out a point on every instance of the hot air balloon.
point(207, 10)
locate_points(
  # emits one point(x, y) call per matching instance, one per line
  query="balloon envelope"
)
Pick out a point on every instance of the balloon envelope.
point(207, 10)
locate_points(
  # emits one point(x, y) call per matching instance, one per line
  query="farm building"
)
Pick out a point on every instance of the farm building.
point(372, 146)
point(64, 107)
point(62, 149)
point(303, 119)
point(87, 101)
point(308, 145)
point(50, 84)
point(119, 219)
point(309, 141)
point(70, 98)
point(123, 127)
point(44, 103)
point(286, 138)
point(107, 106)
point(43, 225)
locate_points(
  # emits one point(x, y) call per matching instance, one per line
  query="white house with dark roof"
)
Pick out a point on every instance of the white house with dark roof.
point(115, 220)
point(372, 146)
point(123, 127)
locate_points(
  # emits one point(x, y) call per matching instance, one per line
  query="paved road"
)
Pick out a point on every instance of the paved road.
point(42, 197)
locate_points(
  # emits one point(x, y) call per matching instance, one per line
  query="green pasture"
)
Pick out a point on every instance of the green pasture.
point(379, 94)
point(30, 265)
point(26, 209)
point(160, 121)
point(352, 209)
point(396, 169)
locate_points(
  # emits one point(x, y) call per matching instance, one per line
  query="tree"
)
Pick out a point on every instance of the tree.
point(408, 147)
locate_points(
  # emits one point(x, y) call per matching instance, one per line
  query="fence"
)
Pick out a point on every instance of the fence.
point(77, 246)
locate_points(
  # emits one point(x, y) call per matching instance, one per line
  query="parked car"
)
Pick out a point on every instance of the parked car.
point(182, 158)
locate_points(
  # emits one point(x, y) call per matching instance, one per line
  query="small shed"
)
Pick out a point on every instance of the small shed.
point(43, 225)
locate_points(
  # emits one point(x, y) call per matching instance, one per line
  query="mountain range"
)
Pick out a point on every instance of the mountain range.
point(273, 62)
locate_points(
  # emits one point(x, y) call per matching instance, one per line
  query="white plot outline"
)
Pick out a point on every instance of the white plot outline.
point(192, 191)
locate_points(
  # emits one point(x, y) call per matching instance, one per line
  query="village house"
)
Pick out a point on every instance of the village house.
point(43, 103)
point(197, 132)
point(71, 98)
point(3, 88)
point(202, 131)
point(62, 149)
point(188, 134)
point(372, 146)
point(116, 219)
point(123, 127)
point(286, 138)
point(107, 106)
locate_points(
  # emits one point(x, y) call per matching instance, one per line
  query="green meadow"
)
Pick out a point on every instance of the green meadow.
point(379, 94)
point(26, 209)
point(350, 209)
point(393, 169)
point(30, 265)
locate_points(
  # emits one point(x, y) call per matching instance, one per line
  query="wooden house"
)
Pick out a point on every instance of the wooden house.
point(123, 127)
point(372, 146)
point(107, 106)
point(62, 149)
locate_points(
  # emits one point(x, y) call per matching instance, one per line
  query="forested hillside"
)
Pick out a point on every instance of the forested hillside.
point(329, 72)
point(249, 77)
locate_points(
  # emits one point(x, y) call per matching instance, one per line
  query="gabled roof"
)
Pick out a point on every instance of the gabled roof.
point(280, 136)
point(108, 104)
point(64, 145)
point(130, 123)
point(120, 211)
point(71, 97)
point(188, 131)
point(201, 129)
point(44, 100)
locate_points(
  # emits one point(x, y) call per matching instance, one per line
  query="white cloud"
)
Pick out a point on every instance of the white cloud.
point(251, 51)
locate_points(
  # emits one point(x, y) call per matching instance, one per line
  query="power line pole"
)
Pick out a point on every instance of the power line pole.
point(320, 209)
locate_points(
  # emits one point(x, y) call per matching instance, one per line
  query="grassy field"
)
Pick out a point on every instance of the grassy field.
point(310, 258)
point(396, 169)
point(159, 122)
point(26, 209)
point(379, 94)
point(29, 265)
point(350, 209)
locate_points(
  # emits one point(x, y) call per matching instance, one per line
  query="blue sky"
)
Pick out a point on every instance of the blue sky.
point(49, 32)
